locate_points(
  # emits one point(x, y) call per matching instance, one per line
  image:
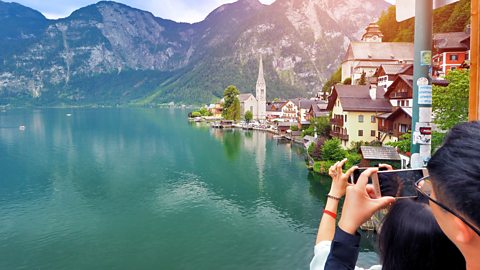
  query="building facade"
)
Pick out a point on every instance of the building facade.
point(354, 112)
point(370, 53)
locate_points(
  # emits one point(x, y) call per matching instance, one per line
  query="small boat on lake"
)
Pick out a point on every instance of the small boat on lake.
point(21, 128)
point(226, 124)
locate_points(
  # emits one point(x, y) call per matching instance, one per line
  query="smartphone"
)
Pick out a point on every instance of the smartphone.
point(397, 183)
point(356, 174)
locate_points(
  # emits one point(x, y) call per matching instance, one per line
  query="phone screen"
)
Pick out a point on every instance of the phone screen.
point(399, 183)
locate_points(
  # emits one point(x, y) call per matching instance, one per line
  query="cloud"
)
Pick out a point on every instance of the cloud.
point(177, 10)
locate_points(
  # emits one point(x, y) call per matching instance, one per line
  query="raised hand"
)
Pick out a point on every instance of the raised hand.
point(339, 179)
point(359, 205)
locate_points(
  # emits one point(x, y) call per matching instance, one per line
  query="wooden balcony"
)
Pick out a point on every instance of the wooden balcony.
point(343, 137)
point(337, 122)
point(385, 129)
point(400, 95)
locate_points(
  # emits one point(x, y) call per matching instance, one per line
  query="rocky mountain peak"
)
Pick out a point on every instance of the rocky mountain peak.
point(112, 53)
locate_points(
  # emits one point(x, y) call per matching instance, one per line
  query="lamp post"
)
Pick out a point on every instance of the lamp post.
point(422, 84)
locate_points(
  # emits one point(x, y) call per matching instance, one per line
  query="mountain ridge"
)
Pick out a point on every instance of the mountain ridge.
point(79, 59)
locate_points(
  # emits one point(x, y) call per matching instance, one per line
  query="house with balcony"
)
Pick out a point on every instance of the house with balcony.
point(452, 51)
point(400, 92)
point(282, 110)
point(391, 126)
point(388, 73)
point(318, 110)
point(354, 112)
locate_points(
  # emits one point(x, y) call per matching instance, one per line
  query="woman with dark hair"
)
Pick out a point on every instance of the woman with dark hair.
point(409, 237)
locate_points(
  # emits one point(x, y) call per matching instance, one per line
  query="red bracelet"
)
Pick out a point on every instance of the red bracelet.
point(333, 215)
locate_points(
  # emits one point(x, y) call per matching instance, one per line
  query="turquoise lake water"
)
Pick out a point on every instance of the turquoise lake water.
point(145, 189)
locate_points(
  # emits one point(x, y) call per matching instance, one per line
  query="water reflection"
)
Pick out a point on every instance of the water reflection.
point(232, 141)
point(127, 184)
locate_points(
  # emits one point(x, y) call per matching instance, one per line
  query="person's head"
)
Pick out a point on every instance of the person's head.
point(410, 238)
point(455, 176)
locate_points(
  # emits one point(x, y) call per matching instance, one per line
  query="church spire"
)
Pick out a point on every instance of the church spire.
point(261, 78)
point(261, 93)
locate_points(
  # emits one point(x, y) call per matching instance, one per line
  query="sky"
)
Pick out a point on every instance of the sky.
point(177, 10)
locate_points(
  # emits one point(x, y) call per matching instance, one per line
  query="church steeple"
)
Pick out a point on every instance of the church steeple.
point(261, 77)
point(261, 93)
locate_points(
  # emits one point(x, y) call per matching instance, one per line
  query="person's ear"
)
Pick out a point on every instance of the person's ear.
point(464, 234)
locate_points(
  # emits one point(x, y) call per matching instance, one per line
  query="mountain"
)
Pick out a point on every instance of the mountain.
point(110, 53)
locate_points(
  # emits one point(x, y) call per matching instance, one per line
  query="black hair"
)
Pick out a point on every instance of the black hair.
point(410, 238)
point(455, 171)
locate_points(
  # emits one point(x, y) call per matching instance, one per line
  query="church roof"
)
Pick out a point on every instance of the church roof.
point(380, 51)
point(244, 97)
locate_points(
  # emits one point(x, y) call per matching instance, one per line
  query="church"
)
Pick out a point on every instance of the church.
point(256, 104)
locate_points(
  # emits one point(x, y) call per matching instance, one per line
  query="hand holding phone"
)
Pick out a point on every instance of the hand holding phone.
point(359, 206)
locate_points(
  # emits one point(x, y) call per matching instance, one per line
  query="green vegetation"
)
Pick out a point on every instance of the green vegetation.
point(403, 144)
point(294, 128)
point(347, 81)
point(231, 107)
point(321, 125)
point(450, 18)
point(202, 112)
point(248, 116)
point(334, 79)
point(326, 153)
point(450, 103)
point(363, 79)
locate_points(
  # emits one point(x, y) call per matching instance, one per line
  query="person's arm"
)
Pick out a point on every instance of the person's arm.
point(359, 206)
point(338, 187)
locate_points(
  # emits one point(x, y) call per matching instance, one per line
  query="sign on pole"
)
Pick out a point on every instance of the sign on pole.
point(406, 8)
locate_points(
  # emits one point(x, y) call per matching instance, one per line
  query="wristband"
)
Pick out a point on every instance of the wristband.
point(333, 197)
point(333, 215)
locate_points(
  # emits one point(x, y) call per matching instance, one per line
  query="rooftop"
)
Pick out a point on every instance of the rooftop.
point(380, 51)
point(453, 40)
point(357, 98)
point(379, 152)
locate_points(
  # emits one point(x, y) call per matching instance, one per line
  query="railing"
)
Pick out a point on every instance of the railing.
point(384, 129)
point(339, 135)
point(337, 122)
point(401, 95)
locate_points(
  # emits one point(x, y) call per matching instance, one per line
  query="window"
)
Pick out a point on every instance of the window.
point(403, 128)
point(407, 103)
point(453, 68)
point(360, 133)
point(373, 119)
point(372, 133)
point(345, 118)
point(382, 122)
point(360, 118)
point(453, 57)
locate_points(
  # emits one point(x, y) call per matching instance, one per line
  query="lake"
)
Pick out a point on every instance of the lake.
point(145, 189)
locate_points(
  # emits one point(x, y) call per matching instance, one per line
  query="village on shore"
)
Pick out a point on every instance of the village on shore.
point(370, 108)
